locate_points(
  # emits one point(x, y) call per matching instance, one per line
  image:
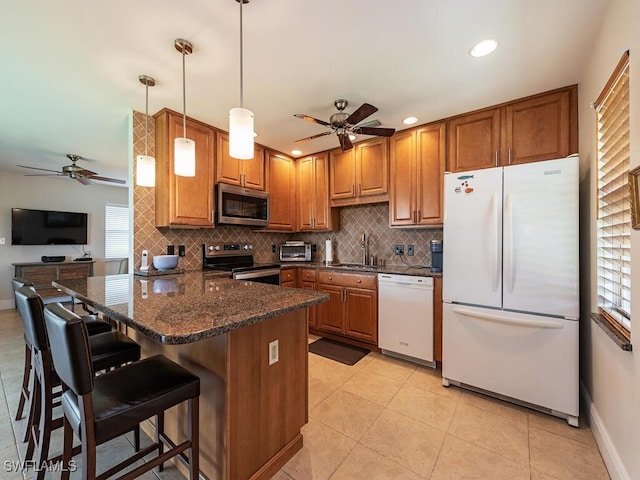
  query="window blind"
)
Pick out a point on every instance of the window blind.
point(116, 231)
point(614, 198)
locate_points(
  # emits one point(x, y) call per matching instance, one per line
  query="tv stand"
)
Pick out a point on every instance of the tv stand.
point(41, 274)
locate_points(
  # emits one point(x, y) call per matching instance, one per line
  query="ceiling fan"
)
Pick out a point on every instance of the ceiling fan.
point(80, 174)
point(343, 124)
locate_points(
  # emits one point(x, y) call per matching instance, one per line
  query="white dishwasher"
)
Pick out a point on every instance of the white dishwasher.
point(405, 317)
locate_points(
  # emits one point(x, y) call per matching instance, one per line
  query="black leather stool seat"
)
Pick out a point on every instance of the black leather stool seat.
point(112, 349)
point(127, 396)
point(94, 325)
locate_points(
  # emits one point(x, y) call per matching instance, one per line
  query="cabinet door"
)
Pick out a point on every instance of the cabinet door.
point(430, 173)
point(361, 314)
point(281, 184)
point(342, 176)
point(253, 170)
point(311, 311)
point(330, 314)
point(537, 129)
point(474, 141)
point(228, 169)
point(288, 275)
point(372, 169)
point(75, 271)
point(402, 207)
point(437, 319)
point(40, 276)
point(306, 189)
point(321, 214)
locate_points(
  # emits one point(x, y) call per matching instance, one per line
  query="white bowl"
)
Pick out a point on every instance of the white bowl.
point(165, 262)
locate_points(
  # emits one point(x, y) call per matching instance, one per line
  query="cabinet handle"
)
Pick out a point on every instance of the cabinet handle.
point(418, 217)
point(213, 218)
point(359, 281)
point(353, 189)
point(509, 156)
point(359, 189)
point(496, 158)
point(330, 277)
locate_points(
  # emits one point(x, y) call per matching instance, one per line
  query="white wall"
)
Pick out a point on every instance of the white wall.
point(52, 194)
point(610, 376)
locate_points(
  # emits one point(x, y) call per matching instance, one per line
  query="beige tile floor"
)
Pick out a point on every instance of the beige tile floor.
point(379, 419)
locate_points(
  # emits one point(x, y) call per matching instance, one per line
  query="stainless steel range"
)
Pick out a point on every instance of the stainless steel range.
point(238, 259)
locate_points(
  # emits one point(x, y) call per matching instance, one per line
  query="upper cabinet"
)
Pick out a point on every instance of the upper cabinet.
point(183, 201)
point(360, 175)
point(244, 173)
point(281, 185)
point(417, 169)
point(541, 127)
point(314, 211)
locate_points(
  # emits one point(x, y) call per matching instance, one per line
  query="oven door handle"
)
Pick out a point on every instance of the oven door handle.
point(256, 274)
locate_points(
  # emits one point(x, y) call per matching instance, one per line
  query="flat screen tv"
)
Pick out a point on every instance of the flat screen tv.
point(46, 227)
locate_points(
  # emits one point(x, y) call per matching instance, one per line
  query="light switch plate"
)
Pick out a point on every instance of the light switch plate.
point(274, 353)
point(2, 241)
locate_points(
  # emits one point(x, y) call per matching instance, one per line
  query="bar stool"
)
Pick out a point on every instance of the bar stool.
point(101, 408)
point(107, 350)
point(94, 326)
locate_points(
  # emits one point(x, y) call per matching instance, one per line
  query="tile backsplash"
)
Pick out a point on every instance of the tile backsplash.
point(356, 220)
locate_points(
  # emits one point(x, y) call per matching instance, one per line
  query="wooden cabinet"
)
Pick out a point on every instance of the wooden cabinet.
point(42, 274)
point(183, 201)
point(352, 309)
point(314, 212)
point(360, 175)
point(417, 175)
point(288, 277)
point(281, 185)
point(536, 128)
point(437, 319)
point(244, 173)
point(307, 281)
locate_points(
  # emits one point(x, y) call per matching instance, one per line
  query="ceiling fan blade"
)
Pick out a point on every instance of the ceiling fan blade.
point(370, 123)
point(311, 119)
point(380, 132)
point(86, 173)
point(314, 136)
point(43, 169)
point(105, 179)
point(361, 113)
point(84, 180)
point(45, 175)
point(345, 143)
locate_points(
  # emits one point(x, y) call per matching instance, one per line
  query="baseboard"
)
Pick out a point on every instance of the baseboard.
point(607, 448)
point(7, 305)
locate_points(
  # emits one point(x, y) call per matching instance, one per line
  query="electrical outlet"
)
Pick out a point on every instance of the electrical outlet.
point(274, 353)
point(171, 250)
point(181, 251)
point(410, 250)
point(314, 248)
point(398, 250)
point(273, 248)
point(2, 241)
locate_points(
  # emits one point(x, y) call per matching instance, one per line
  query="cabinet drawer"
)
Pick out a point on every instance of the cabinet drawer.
point(347, 279)
point(287, 275)
point(74, 271)
point(308, 275)
point(40, 275)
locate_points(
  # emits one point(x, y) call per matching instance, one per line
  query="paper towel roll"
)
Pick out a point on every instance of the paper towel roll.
point(328, 248)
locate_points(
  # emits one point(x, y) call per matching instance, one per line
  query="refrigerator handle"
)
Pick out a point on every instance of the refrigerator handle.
point(508, 240)
point(517, 322)
point(495, 235)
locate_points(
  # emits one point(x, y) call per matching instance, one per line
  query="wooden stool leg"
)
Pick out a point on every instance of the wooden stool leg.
point(24, 391)
point(194, 436)
point(67, 448)
point(136, 438)
point(159, 434)
point(31, 431)
point(45, 423)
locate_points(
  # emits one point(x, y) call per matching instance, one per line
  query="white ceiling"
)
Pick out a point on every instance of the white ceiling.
point(69, 69)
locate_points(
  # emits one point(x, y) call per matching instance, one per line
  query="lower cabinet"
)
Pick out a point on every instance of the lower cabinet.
point(307, 281)
point(352, 309)
point(288, 277)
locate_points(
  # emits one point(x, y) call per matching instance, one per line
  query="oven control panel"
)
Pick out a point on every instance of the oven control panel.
point(216, 249)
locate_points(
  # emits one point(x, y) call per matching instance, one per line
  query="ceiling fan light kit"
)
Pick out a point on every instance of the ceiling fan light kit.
point(241, 128)
point(145, 164)
point(347, 125)
point(184, 153)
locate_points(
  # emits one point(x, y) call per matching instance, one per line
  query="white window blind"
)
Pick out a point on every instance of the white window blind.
point(614, 199)
point(116, 231)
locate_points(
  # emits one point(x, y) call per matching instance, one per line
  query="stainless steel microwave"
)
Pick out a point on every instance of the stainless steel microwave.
point(242, 206)
point(294, 251)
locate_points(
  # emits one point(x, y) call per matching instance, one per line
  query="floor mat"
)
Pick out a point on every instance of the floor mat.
point(340, 352)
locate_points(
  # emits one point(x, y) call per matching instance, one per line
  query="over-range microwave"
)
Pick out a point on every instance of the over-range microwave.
point(242, 206)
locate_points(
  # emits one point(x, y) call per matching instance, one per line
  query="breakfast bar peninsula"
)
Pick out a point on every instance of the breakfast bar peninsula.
point(248, 343)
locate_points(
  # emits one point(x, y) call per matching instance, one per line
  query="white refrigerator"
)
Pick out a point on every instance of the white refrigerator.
point(510, 283)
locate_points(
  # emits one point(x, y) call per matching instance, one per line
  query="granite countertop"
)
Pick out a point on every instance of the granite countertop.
point(391, 269)
point(185, 308)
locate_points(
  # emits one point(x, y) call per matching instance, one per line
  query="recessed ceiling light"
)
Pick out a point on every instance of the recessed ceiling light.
point(352, 137)
point(296, 152)
point(483, 48)
point(410, 120)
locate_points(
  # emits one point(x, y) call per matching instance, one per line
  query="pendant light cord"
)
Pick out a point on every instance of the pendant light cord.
point(184, 99)
point(241, 61)
point(146, 118)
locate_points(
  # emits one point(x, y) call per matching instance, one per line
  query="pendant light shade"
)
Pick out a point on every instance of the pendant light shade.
point(145, 164)
point(184, 152)
point(240, 119)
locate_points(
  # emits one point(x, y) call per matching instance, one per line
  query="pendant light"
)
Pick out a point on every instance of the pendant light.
point(241, 119)
point(146, 165)
point(184, 153)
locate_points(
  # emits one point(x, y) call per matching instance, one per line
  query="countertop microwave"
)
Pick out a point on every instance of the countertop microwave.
point(295, 251)
point(242, 206)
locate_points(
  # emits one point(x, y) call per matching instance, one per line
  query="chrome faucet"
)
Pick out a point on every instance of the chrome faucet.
point(365, 253)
